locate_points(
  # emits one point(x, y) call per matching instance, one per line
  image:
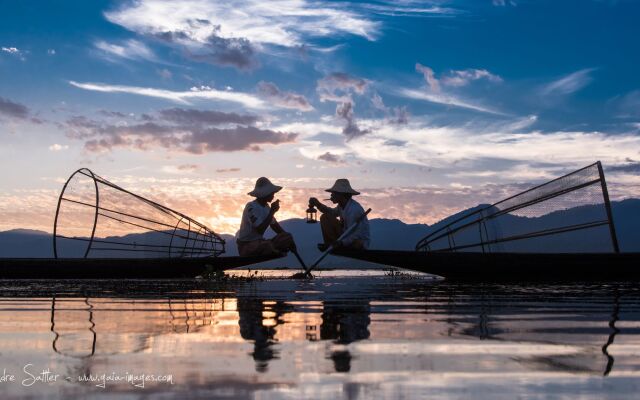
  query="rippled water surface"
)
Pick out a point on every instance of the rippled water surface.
point(342, 335)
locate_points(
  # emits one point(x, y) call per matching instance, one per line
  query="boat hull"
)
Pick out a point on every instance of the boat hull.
point(119, 268)
point(470, 266)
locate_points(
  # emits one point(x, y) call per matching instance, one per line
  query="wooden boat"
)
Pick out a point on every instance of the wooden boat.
point(568, 220)
point(494, 267)
point(120, 268)
point(157, 242)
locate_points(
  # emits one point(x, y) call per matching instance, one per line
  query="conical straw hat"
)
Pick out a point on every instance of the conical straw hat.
point(264, 188)
point(342, 186)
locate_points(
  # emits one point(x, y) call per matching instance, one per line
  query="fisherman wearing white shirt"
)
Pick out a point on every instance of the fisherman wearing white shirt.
point(256, 218)
point(348, 211)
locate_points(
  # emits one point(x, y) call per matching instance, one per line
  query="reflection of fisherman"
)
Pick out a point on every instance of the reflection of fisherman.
point(256, 218)
point(344, 323)
point(348, 210)
point(250, 319)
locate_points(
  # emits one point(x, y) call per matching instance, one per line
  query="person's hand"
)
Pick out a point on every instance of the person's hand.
point(313, 202)
point(275, 206)
point(337, 244)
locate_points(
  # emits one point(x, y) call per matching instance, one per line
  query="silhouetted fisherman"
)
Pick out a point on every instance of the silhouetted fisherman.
point(334, 221)
point(256, 218)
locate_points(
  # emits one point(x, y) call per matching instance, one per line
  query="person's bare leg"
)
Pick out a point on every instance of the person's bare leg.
point(283, 242)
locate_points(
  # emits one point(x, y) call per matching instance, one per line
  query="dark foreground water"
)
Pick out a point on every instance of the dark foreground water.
point(343, 335)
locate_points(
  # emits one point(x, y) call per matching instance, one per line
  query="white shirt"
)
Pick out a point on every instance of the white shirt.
point(349, 215)
point(253, 216)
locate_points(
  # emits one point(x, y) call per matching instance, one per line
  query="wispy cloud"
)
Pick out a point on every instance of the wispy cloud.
point(196, 93)
point(464, 77)
point(10, 50)
point(395, 115)
point(444, 99)
point(14, 51)
point(463, 149)
point(434, 93)
point(429, 77)
point(569, 84)
point(408, 9)
point(129, 49)
point(230, 33)
point(503, 3)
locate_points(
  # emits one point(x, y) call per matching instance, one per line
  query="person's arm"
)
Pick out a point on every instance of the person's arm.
point(275, 206)
point(323, 209)
point(276, 227)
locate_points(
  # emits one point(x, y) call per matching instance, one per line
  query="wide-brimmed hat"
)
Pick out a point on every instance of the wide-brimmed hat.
point(342, 186)
point(264, 188)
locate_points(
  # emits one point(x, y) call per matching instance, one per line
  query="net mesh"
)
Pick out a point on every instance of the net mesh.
point(565, 215)
point(99, 219)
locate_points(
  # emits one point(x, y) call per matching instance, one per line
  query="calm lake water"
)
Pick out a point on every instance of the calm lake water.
point(343, 335)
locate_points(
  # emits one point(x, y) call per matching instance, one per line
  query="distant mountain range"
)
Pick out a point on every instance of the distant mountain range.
point(390, 234)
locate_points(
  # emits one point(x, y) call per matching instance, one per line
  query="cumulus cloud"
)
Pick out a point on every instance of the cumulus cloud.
point(129, 49)
point(190, 131)
point(568, 84)
point(339, 86)
point(351, 129)
point(206, 117)
point(235, 52)
point(10, 50)
point(113, 114)
point(226, 170)
point(196, 93)
point(13, 110)
point(14, 51)
point(331, 158)
point(180, 169)
point(464, 77)
point(630, 167)
point(58, 147)
point(283, 99)
point(218, 202)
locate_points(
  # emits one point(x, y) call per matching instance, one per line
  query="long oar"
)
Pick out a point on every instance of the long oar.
point(328, 250)
point(295, 253)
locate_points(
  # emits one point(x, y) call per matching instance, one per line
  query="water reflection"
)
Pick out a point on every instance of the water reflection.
point(331, 337)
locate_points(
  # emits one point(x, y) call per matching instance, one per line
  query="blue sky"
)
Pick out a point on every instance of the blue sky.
point(429, 106)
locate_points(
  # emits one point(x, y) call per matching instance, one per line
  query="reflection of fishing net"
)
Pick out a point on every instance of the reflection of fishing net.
point(98, 219)
point(568, 214)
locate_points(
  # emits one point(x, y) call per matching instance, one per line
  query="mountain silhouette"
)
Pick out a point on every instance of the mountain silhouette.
point(389, 234)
